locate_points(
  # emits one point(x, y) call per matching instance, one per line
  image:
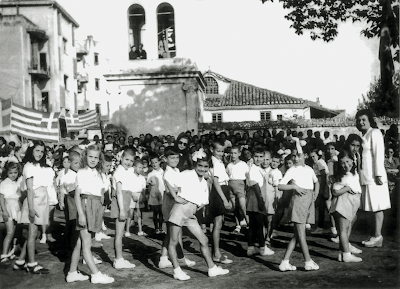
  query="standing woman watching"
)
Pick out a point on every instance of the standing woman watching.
point(182, 143)
point(375, 192)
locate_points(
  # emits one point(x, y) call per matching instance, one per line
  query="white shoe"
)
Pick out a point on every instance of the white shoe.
point(127, 234)
point(367, 240)
point(243, 223)
point(43, 240)
point(348, 258)
point(354, 250)
point(266, 251)
point(96, 261)
point(100, 278)
point(308, 226)
point(318, 231)
point(274, 235)
point(103, 226)
point(123, 264)
point(333, 231)
point(76, 276)
point(335, 240)
point(141, 233)
point(100, 236)
point(186, 262)
point(311, 266)
point(164, 263)
point(251, 251)
point(287, 267)
point(180, 275)
point(216, 270)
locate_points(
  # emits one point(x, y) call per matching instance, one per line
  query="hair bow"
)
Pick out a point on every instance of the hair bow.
point(320, 152)
point(280, 151)
point(65, 154)
point(303, 142)
point(198, 155)
point(30, 144)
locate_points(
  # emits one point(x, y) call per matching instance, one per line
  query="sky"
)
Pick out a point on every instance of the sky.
point(252, 42)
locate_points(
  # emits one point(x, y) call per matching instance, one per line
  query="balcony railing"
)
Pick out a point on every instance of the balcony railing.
point(39, 71)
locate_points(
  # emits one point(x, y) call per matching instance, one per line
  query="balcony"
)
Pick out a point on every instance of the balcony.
point(42, 72)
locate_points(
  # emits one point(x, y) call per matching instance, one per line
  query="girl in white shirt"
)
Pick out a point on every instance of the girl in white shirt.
point(10, 194)
point(345, 203)
point(35, 209)
point(90, 188)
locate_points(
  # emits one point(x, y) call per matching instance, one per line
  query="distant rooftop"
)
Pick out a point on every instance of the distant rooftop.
point(29, 3)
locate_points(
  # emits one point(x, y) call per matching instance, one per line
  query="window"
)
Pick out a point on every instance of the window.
point(66, 82)
point(65, 45)
point(279, 117)
point(211, 85)
point(137, 20)
point(97, 83)
point(217, 117)
point(166, 31)
point(265, 115)
point(96, 59)
point(43, 61)
point(45, 101)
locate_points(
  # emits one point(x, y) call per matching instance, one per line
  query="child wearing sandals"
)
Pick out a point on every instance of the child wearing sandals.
point(172, 177)
point(35, 209)
point(192, 196)
point(89, 193)
point(345, 203)
point(304, 183)
point(237, 170)
point(220, 202)
point(157, 188)
point(124, 184)
point(10, 194)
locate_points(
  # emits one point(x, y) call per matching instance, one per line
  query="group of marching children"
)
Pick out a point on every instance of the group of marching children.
point(257, 191)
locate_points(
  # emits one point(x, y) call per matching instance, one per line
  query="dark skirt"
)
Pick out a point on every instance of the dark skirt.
point(216, 206)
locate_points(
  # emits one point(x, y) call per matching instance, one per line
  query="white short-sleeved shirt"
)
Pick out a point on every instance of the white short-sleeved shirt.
point(237, 171)
point(319, 166)
point(50, 174)
point(256, 174)
point(68, 180)
point(193, 189)
point(172, 176)
point(60, 174)
point(125, 177)
point(219, 171)
point(274, 176)
point(158, 174)
point(304, 177)
point(11, 189)
point(89, 181)
point(353, 181)
point(39, 174)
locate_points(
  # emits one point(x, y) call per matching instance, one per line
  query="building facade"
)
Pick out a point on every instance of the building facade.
point(229, 100)
point(38, 60)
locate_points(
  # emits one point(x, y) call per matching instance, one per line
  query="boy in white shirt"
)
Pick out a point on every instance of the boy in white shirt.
point(156, 188)
point(304, 183)
point(192, 196)
point(237, 171)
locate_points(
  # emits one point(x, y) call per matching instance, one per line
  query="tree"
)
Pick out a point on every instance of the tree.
point(321, 19)
point(373, 101)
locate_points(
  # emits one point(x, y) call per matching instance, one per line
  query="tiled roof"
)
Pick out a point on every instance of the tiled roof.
point(240, 95)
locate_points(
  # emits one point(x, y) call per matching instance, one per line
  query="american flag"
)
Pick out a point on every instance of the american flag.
point(77, 122)
point(29, 123)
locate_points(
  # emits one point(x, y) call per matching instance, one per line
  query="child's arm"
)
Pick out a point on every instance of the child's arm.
point(173, 192)
point(294, 187)
point(345, 189)
point(316, 190)
point(31, 195)
point(260, 200)
point(3, 208)
point(120, 202)
point(227, 204)
point(81, 215)
point(61, 196)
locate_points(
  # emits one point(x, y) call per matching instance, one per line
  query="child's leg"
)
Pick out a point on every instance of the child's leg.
point(173, 242)
point(269, 228)
point(290, 247)
point(139, 218)
point(76, 253)
point(199, 235)
point(321, 212)
point(242, 207)
point(128, 220)
point(258, 227)
point(234, 209)
point(10, 228)
point(251, 231)
point(344, 230)
point(155, 217)
point(300, 231)
point(22, 255)
point(216, 235)
point(160, 217)
point(165, 244)
point(87, 253)
point(51, 224)
point(33, 229)
point(328, 204)
point(119, 231)
point(179, 247)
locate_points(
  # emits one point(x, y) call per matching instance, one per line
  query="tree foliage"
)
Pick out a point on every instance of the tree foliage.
point(322, 17)
point(382, 104)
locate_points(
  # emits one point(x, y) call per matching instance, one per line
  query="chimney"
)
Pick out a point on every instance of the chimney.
point(318, 101)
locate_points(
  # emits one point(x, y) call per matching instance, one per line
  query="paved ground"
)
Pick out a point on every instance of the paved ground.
point(379, 269)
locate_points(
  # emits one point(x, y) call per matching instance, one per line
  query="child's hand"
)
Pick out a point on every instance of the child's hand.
point(261, 205)
point(5, 216)
point(227, 205)
point(378, 181)
point(122, 216)
point(350, 191)
point(180, 200)
point(32, 214)
point(82, 221)
point(299, 190)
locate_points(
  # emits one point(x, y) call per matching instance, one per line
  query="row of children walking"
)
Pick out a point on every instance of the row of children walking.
point(257, 192)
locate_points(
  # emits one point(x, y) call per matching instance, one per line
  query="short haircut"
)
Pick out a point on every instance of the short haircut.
point(218, 141)
point(171, 151)
point(129, 152)
point(154, 156)
point(137, 162)
point(276, 156)
point(235, 147)
point(74, 154)
point(107, 158)
point(258, 150)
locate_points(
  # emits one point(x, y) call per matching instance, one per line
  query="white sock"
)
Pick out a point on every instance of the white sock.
point(285, 262)
point(309, 262)
point(32, 264)
point(20, 262)
point(177, 270)
point(75, 272)
point(98, 272)
point(163, 258)
point(347, 254)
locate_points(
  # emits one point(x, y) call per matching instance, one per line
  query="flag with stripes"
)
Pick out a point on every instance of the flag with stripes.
point(29, 123)
point(77, 122)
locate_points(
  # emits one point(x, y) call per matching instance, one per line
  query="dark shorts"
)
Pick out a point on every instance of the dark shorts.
point(237, 188)
point(184, 215)
point(301, 208)
point(93, 210)
point(126, 199)
point(216, 207)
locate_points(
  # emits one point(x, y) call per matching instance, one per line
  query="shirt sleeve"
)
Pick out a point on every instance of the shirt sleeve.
point(28, 171)
point(314, 177)
point(276, 177)
point(337, 186)
point(287, 177)
point(378, 153)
